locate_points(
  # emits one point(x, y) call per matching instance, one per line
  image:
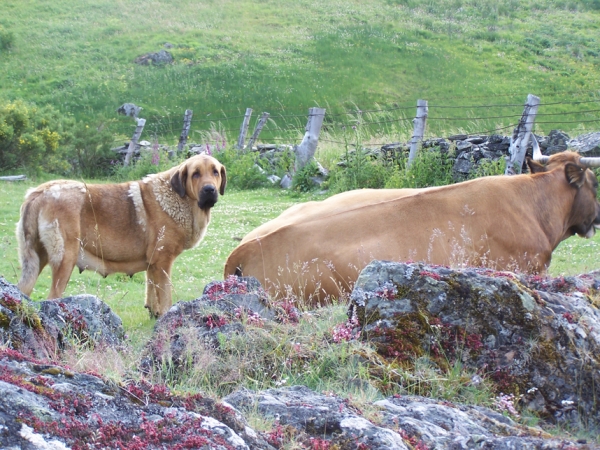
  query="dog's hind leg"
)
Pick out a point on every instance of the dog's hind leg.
point(158, 289)
point(32, 255)
point(61, 272)
point(62, 254)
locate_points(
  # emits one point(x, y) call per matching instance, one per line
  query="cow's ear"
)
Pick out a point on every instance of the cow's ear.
point(575, 174)
point(179, 179)
point(535, 167)
point(223, 181)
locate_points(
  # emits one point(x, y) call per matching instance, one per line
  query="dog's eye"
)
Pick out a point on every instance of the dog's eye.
point(215, 172)
point(196, 175)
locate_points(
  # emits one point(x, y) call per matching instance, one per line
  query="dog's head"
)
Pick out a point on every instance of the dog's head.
point(201, 178)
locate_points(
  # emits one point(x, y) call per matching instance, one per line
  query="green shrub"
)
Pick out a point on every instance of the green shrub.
point(89, 151)
point(31, 138)
point(487, 167)
point(243, 172)
point(431, 167)
point(302, 180)
point(358, 171)
point(7, 39)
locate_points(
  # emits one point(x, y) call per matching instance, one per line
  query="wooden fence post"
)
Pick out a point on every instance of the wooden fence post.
point(187, 122)
point(521, 136)
point(257, 130)
point(244, 129)
point(307, 148)
point(418, 131)
point(134, 140)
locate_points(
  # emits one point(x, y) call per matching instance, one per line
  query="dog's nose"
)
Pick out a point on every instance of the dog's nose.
point(209, 189)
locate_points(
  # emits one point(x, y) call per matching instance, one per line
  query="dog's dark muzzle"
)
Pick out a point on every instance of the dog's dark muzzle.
point(208, 196)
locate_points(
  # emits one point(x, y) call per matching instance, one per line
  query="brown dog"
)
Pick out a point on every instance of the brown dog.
point(129, 227)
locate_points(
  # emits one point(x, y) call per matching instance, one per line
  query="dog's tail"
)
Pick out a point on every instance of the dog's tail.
point(27, 237)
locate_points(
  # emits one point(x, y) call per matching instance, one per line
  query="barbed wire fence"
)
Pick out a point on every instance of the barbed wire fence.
point(287, 126)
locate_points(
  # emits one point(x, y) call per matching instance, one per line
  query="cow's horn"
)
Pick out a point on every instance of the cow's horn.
point(537, 153)
point(589, 161)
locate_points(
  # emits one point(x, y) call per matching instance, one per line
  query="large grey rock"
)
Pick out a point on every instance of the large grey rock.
point(328, 417)
point(543, 345)
point(403, 422)
point(182, 335)
point(44, 329)
point(159, 58)
point(587, 144)
point(555, 142)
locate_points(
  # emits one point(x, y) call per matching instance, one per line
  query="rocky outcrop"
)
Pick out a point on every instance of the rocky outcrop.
point(525, 332)
point(538, 340)
point(224, 310)
point(404, 422)
point(44, 329)
point(159, 58)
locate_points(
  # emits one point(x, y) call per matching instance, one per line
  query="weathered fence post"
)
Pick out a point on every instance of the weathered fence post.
point(521, 136)
point(419, 130)
point(307, 148)
point(257, 130)
point(187, 122)
point(244, 129)
point(134, 140)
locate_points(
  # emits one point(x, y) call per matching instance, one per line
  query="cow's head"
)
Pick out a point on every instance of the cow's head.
point(584, 217)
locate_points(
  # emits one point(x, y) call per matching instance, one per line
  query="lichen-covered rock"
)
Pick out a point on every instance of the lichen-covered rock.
point(444, 425)
point(181, 335)
point(48, 406)
point(44, 329)
point(318, 416)
point(587, 144)
point(86, 318)
point(399, 423)
point(541, 346)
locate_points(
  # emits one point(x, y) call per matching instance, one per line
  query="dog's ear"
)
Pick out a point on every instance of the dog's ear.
point(223, 180)
point(179, 179)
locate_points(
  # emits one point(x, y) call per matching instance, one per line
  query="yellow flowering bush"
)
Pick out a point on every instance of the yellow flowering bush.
point(30, 138)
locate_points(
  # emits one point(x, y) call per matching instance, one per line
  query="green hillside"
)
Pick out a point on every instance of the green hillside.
point(474, 61)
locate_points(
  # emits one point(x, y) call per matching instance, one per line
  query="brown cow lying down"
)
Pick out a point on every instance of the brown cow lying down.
point(514, 223)
point(129, 227)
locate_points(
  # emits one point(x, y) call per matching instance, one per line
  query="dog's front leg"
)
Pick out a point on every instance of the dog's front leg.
point(158, 288)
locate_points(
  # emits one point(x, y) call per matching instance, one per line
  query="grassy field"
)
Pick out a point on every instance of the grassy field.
point(463, 56)
point(236, 213)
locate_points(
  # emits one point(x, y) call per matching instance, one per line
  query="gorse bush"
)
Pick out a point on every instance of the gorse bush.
point(30, 138)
